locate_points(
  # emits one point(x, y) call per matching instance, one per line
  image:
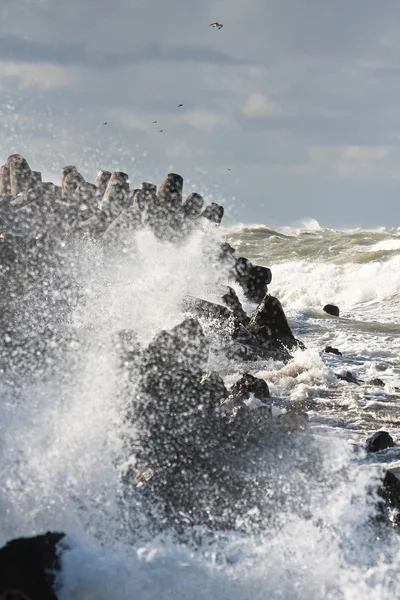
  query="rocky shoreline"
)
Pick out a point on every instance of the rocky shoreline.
point(204, 451)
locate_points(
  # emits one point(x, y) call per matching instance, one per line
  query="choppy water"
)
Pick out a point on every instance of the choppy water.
point(61, 441)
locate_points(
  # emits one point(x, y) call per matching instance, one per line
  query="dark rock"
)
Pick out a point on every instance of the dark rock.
point(389, 507)
point(233, 303)
point(206, 309)
point(331, 350)
point(376, 382)
point(193, 205)
point(213, 212)
point(348, 376)
point(70, 179)
point(215, 386)
point(246, 385)
point(331, 309)
point(269, 324)
point(170, 190)
point(127, 347)
point(36, 177)
point(380, 440)
point(254, 279)
point(28, 567)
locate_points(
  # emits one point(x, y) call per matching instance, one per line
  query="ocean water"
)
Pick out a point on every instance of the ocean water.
point(62, 439)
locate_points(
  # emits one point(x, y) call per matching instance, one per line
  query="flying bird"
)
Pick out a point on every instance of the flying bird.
point(161, 130)
point(180, 105)
point(228, 169)
point(105, 123)
point(154, 121)
point(217, 25)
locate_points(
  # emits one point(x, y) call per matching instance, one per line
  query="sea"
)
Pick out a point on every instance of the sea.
point(62, 439)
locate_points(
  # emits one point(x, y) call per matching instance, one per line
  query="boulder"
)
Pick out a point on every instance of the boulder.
point(116, 197)
point(101, 181)
point(231, 300)
point(389, 506)
point(70, 179)
point(213, 212)
point(380, 440)
point(377, 382)
point(21, 178)
point(269, 324)
point(28, 567)
point(193, 205)
point(5, 181)
point(331, 350)
point(254, 279)
point(331, 309)
point(348, 376)
point(246, 385)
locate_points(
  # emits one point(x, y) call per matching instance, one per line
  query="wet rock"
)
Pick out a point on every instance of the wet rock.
point(246, 385)
point(116, 196)
point(28, 567)
point(376, 382)
point(331, 309)
point(213, 212)
point(5, 182)
point(254, 279)
point(348, 376)
point(389, 492)
point(206, 309)
point(380, 440)
point(331, 350)
point(36, 177)
point(85, 196)
point(127, 347)
point(231, 300)
point(269, 324)
point(215, 386)
point(21, 178)
point(101, 181)
point(193, 205)
point(70, 179)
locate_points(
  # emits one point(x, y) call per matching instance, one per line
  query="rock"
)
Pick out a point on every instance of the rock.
point(215, 386)
point(246, 385)
point(127, 347)
point(206, 309)
point(254, 279)
point(348, 376)
point(231, 300)
point(36, 177)
point(376, 382)
point(389, 491)
point(85, 197)
point(28, 567)
point(70, 179)
point(269, 324)
point(213, 212)
point(21, 178)
point(380, 440)
point(116, 196)
point(170, 190)
point(149, 188)
point(101, 181)
point(331, 350)
point(193, 205)
point(331, 309)
point(5, 182)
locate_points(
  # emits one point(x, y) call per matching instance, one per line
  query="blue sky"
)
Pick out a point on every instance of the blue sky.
point(298, 98)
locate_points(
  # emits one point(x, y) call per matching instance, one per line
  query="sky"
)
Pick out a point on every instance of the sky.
point(290, 111)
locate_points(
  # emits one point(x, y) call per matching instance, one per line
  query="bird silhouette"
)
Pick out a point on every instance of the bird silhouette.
point(154, 121)
point(161, 130)
point(217, 25)
point(105, 123)
point(180, 105)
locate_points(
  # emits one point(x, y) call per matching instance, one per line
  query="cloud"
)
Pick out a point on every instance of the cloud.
point(43, 76)
point(259, 106)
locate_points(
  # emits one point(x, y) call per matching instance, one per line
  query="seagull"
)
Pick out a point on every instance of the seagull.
point(228, 169)
point(154, 121)
point(161, 130)
point(217, 25)
point(180, 105)
point(105, 123)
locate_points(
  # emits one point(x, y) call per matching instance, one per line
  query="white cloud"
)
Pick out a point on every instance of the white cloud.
point(41, 76)
point(259, 105)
